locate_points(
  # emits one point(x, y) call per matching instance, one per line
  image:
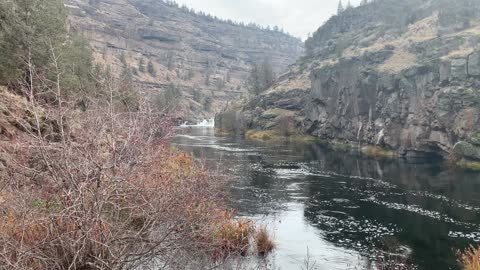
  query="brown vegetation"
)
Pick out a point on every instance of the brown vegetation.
point(102, 189)
point(470, 258)
point(263, 241)
point(378, 152)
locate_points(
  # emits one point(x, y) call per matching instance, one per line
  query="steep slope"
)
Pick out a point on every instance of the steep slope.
point(401, 75)
point(205, 58)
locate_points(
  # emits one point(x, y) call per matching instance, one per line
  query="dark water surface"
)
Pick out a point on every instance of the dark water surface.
point(345, 209)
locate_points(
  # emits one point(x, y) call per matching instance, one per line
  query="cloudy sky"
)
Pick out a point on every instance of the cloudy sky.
point(298, 17)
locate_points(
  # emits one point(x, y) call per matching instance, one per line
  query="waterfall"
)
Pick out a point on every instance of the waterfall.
point(207, 123)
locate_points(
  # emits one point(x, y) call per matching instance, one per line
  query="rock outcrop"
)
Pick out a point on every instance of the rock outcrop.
point(405, 81)
point(206, 58)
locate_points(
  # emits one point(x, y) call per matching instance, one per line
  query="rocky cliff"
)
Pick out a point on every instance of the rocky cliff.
point(400, 75)
point(207, 59)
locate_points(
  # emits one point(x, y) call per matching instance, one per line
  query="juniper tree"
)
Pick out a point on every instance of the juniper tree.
point(151, 69)
point(141, 65)
point(349, 5)
point(207, 104)
point(123, 59)
point(340, 8)
point(28, 31)
point(261, 77)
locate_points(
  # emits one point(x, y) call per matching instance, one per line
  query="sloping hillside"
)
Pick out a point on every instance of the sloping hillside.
point(400, 75)
point(205, 58)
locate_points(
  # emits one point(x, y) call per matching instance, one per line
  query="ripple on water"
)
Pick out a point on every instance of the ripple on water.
point(348, 212)
point(346, 231)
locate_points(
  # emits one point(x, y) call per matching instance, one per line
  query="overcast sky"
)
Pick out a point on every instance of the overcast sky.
point(298, 17)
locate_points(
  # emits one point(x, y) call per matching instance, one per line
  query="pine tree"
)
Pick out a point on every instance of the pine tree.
point(261, 77)
point(349, 5)
point(28, 32)
point(141, 65)
point(207, 104)
point(151, 69)
point(340, 8)
point(123, 59)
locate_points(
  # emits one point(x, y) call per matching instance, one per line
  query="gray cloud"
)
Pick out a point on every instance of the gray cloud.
point(298, 17)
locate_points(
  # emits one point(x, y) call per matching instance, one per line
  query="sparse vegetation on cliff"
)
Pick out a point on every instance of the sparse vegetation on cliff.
point(361, 77)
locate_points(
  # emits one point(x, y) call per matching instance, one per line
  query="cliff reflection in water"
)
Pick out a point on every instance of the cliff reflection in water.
point(351, 205)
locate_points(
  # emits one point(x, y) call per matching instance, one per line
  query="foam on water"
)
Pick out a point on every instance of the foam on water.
point(207, 123)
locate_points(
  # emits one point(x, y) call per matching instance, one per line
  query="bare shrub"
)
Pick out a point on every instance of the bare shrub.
point(102, 189)
point(98, 186)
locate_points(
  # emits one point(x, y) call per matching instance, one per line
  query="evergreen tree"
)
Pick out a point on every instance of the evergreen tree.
point(340, 8)
point(170, 60)
point(197, 96)
point(169, 99)
point(261, 77)
point(190, 74)
point(28, 32)
point(151, 69)
point(123, 59)
point(207, 77)
point(207, 104)
point(349, 5)
point(127, 94)
point(76, 65)
point(141, 65)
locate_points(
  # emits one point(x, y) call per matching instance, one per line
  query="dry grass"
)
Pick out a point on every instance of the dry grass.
point(263, 135)
point(263, 241)
point(468, 165)
point(399, 61)
point(420, 31)
point(276, 136)
point(302, 81)
point(470, 258)
point(473, 30)
point(375, 151)
point(233, 236)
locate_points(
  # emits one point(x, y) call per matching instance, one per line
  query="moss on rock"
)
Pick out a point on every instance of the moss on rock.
point(274, 136)
point(468, 165)
point(467, 150)
point(276, 112)
point(378, 152)
point(476, 139)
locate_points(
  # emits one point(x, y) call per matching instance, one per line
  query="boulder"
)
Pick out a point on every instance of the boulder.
point(467, 150)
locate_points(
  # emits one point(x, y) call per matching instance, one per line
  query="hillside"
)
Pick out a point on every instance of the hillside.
point(205, 58)
point(403, 76)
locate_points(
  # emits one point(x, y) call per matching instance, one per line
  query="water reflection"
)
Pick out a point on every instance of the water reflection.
point(344, 207)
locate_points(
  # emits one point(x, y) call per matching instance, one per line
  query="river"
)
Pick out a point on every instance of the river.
point(342, 210)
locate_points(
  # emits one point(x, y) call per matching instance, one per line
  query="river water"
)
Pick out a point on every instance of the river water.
point(341, 210)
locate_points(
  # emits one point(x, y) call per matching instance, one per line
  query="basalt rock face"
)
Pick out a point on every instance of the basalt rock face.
point(413, 88)
point(413, 111)
point(206, 58)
